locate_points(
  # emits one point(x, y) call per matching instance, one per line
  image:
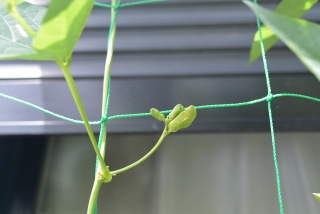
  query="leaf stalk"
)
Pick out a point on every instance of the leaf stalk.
point(104, 171)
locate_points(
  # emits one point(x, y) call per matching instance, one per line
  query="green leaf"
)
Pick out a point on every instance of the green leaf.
point(301, 36)
point(15, 43)
point(290, 8)
point(11, 1)
point(317, 195)
point(62, 27)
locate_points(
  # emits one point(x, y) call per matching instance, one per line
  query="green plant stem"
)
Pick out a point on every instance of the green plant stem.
point(94, 195)
point(105, 173)
point(164, 134)
point(14, 12)
point(111, 42)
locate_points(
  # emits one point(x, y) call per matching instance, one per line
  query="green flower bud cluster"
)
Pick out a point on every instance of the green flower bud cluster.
point(177, 119)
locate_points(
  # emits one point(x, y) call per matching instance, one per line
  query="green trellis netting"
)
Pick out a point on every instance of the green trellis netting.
point(268, 98)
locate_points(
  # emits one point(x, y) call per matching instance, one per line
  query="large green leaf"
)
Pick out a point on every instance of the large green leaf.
point(15, 43)
point(290, 8)
point(62, 27)
point(301, 36)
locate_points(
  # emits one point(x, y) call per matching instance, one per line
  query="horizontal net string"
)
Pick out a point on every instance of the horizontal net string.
point(267, 98)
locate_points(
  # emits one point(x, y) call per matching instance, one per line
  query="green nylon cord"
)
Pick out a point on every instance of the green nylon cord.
point(103, 122)
point(123, 116)
point(268, 98)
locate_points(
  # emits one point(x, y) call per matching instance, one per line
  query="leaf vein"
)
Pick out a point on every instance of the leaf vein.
point(9, 27)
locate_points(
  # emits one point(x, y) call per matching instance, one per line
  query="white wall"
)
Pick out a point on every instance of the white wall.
point(229, 173)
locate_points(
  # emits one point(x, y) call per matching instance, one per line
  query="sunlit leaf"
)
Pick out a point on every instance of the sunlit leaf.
point(14, 41)
point(12, 1)
point(62, 27)
point(290, 8)
point(317, 196)
point(301, 36)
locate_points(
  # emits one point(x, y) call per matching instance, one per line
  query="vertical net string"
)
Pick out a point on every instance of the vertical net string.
point(269, 99)
point(105, 116)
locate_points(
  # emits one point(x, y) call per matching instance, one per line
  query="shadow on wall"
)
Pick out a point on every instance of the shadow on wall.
point(190, 173)
point(21, 159)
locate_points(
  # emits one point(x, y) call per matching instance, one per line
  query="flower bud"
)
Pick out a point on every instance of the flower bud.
point(183, 120)
point(157, 114)
point(175, 112)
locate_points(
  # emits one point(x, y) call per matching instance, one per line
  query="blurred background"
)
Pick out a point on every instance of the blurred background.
point(181, 51)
